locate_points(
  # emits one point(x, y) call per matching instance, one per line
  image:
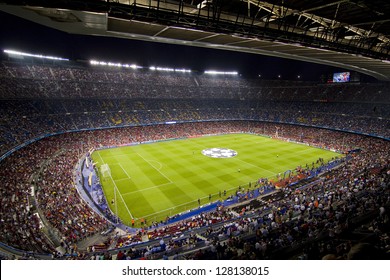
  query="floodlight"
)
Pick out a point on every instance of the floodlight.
point(213, 72)
point(132, 66)
point(183, 70)
point(114, 64)
point(164, 69)
point(12, 52)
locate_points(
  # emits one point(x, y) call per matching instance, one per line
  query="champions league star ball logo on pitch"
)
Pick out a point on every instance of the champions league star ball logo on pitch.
point(219, 153)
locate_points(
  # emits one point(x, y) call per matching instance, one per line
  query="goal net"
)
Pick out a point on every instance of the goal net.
point(105, 170)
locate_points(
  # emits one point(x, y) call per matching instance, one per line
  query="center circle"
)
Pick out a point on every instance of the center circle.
point(219, 153)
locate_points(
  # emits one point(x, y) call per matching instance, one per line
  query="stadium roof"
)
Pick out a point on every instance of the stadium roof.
point(349, 34)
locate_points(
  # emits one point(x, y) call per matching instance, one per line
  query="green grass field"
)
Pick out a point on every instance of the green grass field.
point(157, 180)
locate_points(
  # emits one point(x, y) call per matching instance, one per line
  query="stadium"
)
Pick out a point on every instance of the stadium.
point(104, 158)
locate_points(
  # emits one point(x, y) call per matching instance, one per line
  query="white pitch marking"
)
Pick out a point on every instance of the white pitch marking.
point(273, 173)
point(154, 167)
point(154, 187)
point(118, 190)
point(122, 198)
point(124, 170)
point(158, 163)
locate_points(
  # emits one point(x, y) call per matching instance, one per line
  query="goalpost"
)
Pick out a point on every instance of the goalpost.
point(105, 171)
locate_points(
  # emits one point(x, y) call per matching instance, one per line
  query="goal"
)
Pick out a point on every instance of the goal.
point(105, 170)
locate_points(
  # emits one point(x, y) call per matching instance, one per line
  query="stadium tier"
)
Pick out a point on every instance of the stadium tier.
point(94, 98)
point(54, 115)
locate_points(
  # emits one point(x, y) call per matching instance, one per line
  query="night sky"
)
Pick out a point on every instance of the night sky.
point(22, 35)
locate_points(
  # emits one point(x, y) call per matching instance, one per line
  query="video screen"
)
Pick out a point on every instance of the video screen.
point(342, 77)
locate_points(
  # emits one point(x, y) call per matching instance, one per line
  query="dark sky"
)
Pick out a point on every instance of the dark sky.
point(23, 35)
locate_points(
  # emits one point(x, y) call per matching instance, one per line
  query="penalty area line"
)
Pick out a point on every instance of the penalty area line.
point(154, 167)
point(145, 189)
point(127, 174)
point(127, 208)
point(116, 187)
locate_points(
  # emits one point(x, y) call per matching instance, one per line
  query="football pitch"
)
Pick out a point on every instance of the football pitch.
point(155, 180)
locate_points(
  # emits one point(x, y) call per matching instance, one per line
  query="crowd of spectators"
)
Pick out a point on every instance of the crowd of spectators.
point(53, 160)
point(26, 119)
point(307, 223)
point(23, 80)
point(40, 99)
point(60, 202)
point(320, 214)
point(319, 220)
point(19, 226)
